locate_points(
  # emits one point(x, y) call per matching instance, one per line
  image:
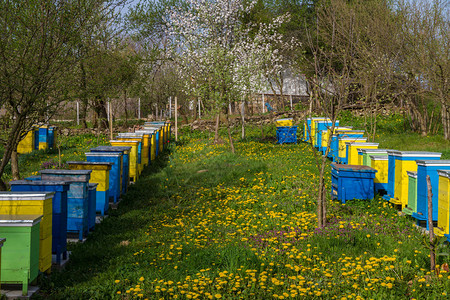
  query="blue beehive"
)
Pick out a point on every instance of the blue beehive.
point(51, 136)
point(320, 126)
point(59, 210)
point(286, 134)
point(43, 137)
point(424, 168)
point(77, 197)
point(125, 151)
point(115, 173)
point(352, 182)
point(34, 177)
point(92, 205)
point(36, 137)
point(333, 154)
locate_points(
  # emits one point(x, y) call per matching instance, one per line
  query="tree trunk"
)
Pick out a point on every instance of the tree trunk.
point(125, 106)
point(445, 120)
point(11, 145)
point(15, 165)
point(243, 120)
point(229, 134)
point(84, 97)
point(216, 129)
point(102, 114)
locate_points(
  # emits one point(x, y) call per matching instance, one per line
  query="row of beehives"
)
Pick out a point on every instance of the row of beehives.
point(39, 213)
point(360, 170)
point(41, 137)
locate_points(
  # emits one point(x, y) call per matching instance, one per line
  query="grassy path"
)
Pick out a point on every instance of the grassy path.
point(205, 224)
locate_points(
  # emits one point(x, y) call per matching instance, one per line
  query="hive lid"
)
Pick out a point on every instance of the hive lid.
point(143, 132)
point(91, 162)
point(65, 172)
point(38, 196)
point(111, 148)
point(125, 141)
point(356, 168)
point(19, 220)
point(435, 163)
point(38, 182)
point(349, 138)
point(414, 153)
point(368, 151)
point(361, 144)
point(412, 174)
point(445, 173)
point(379, 157)
point(104, 154)
point(350, 131)
point(146, 131)
point(130, 134)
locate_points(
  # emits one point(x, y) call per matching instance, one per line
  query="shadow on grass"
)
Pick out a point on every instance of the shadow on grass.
point(111, 239)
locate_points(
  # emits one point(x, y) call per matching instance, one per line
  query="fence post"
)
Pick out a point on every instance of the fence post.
point(263, 102)
point(176, 119)
point(170, 107)
point(78, 113)
point(108, 106)
point(110, 120)
point(290, 100)
point(139, 108)
point(199, 109)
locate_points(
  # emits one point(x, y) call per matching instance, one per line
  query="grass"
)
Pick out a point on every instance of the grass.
point(202, 223)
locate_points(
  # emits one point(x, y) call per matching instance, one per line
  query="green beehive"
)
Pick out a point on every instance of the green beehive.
point(412, 193)
point(20, 254)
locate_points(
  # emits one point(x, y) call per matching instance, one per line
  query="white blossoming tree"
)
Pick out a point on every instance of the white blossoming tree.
point(220, 57)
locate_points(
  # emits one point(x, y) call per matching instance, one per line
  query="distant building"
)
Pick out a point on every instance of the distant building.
point(293, 84)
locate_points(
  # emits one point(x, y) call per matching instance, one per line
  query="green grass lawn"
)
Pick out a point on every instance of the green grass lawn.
point(202, 223)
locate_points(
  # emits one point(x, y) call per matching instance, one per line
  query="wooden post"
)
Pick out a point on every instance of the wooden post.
point(176, 119)
point(170, 107)
point(430, 225)
point(139, 108)
point(243, 119)
point(199, 109)
point(110, 120)
point(78, 113)
point(290, 100)
point(263, 102)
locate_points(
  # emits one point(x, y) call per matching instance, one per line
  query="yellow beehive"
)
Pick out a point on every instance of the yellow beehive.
point(140, 138)
point(342, 153)
point(153, 152)
point(27, 144)
point(326, 134)
point(161, 139)
point(285, 122)
point(133, 159)
point(352, 151)
point(313, 128)
point(33, 203)
point(443, 204)
point(145, 148)
point(380, 163)
point(99, 175)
